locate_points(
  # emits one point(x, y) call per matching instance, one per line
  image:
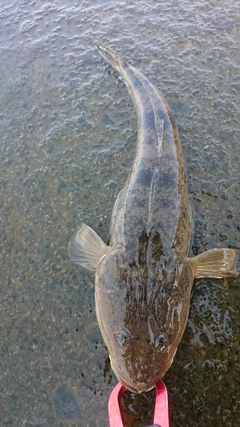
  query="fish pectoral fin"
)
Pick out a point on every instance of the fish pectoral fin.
point(214, 263)
point(86, 248)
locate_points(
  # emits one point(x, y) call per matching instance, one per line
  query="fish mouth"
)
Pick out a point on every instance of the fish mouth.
point(138, 388)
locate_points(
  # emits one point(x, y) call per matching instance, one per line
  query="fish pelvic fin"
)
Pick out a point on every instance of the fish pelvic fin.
point(86, 248)
point(214, 263)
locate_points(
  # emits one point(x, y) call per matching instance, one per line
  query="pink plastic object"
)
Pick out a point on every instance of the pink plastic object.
point(161, 412)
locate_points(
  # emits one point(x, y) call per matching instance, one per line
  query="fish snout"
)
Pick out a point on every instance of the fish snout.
point(141, 387)
point(138, 387)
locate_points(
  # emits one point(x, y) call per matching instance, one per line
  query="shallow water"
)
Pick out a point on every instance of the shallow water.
point(67, 135)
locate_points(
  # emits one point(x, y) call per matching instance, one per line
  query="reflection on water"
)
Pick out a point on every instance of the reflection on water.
point(67, 138)
point(137, 409)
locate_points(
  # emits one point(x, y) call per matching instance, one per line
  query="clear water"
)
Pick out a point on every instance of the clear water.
point(67, 138)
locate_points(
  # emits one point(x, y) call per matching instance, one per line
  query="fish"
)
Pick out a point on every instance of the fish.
point(144, 275)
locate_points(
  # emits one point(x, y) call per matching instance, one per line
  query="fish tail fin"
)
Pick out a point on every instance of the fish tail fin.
point(110, 56)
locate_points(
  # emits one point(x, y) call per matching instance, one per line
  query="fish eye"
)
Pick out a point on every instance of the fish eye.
point(161, 341)
point(123, 337)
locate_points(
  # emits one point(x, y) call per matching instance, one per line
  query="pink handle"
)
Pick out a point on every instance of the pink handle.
point(115, 416)
point(161, 413)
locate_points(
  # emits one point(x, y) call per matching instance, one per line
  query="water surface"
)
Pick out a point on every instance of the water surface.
point(67, 135)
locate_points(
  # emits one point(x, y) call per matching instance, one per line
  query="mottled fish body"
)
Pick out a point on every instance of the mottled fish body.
point(144, 277)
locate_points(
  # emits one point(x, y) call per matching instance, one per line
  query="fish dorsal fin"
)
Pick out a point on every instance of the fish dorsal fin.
point(86, 248)
point(214, 263)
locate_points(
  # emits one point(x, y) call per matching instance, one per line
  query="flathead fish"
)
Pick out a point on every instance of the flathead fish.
point(144, 276)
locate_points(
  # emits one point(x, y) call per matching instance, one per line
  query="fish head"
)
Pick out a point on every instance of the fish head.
point(142, 316)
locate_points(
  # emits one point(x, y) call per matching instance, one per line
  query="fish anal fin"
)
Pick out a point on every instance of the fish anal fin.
point(215, 263)
point(86, 248)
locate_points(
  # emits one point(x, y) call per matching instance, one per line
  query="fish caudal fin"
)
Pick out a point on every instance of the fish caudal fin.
point(110, 56)
point(86, 248)
point(214, 263)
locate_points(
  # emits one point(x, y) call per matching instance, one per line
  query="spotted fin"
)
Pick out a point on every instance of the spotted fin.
point(214, 263)
point(86, 248)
